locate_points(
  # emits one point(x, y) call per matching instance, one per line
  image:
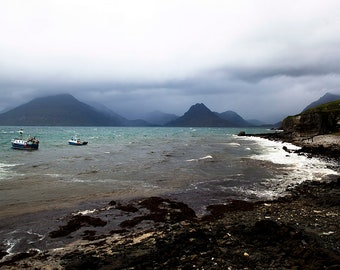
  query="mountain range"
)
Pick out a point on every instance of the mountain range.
point(200, 116)
point(328, 97)
point(66, 110)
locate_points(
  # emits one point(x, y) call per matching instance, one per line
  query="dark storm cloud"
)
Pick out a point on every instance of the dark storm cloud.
point(263, 59)
point(257, 74)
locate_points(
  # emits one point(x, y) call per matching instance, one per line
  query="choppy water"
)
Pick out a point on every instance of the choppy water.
point(199, 166)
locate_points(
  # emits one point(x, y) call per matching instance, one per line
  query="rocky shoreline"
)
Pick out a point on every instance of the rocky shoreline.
point(319, 145)
point(298, 231)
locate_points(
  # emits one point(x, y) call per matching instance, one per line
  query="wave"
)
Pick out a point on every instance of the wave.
point(5, 171)
point(298, 167)
point(202, 158)
point(234, 144)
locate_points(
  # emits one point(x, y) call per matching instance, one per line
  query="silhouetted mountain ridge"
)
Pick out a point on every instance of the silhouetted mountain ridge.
point(328, 97)
point(66, 110)
point(199, 116)
point(58, 110)
point(235, 119)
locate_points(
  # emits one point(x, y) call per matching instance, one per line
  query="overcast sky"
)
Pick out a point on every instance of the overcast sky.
point(264, 59)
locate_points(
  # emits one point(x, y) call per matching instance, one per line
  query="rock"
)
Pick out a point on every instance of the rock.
point(162, 210)
point(127, 208)
point(286, 149)
point(323, 119)
point(236, 235)
point(75, 223)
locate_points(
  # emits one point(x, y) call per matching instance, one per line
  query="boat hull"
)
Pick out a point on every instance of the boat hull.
point(24, 145)
point(77, 143)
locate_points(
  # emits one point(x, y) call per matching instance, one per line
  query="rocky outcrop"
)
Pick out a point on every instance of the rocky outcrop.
point(316, 130)
point(316, 123)
point(324, 119)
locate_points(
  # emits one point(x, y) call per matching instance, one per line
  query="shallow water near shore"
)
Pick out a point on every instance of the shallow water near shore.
point(199, 166)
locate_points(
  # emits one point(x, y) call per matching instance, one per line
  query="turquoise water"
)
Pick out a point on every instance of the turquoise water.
point(198, 166)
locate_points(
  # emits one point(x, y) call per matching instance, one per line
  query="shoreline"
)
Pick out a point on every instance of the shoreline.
point(300, 230)
point(326, 146)
point(296, 231)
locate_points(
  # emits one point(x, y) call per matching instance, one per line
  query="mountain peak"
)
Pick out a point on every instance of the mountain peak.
point(328, 97)
point(199, 116)
point(58, 96)
point(198, 108)
point(57, 110)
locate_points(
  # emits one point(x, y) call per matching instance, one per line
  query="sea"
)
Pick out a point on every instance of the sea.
point(197, 166)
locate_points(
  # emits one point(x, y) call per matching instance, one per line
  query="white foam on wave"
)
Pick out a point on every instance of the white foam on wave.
point(54, 175)
point(234, 144)
point(299, 167)
point(18, 238)
point(10, 244)
point(206, 157)
point(85, 212)
point(5, 170)
point(273, 151)
point(37, 235)
point(265, 194)
point(4, 165)
point(198, 159)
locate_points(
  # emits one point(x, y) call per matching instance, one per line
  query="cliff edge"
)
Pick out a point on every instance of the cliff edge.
point(316, 130)
point(320, 120)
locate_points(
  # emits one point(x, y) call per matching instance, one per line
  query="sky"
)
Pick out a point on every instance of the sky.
point(263, 59)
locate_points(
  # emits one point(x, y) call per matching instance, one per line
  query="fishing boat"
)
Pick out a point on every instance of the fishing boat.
point(76, 141)
point(31, 143)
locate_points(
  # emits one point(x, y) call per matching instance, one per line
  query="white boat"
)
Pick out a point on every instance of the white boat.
point(76, 141)
point(31, 143)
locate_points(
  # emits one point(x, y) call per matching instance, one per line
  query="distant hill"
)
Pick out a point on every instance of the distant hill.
point(159, 118)
point(328, 97)
point(58, 110)
point(255, 122)
point(124, 122)
point(235, 119)
point(66, 110)
point(137, 123)
point(103, 109)
point(199, 116)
